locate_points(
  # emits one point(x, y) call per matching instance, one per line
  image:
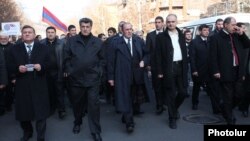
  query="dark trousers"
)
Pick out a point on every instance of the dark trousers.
point(175, 94)
point(86, 98)
point(9, 96)
point(135, 94)
point(215, 96)
point(245, 101)
point(196, 90)
point(2, 104)
point(6, 97)
point(231, 93)
point(40, 128)
point(212, 91)
point(158, 89)
point(56, 94)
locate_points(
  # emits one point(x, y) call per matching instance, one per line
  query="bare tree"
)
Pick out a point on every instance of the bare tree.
point(9, 11)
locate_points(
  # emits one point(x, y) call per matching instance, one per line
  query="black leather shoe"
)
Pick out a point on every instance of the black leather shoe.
point(231, 122)
point(160, 110)
point(26, 137)
point(195, 107)
point(172, 124)
point(2, 112)
point(40, 139)
point(130, 128)
point(96, 137)
point(136, 113)
point(123, 119)
point(245, 113)
point(178, 116)
point(217, 112)
point(76, 129)
point(61, 114)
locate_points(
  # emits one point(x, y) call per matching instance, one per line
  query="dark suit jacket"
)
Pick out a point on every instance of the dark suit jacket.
point(150, 44)
point(221, 55)
point(59, 56)
point(165, 54)
point(84, 62)
point(31, 92)
point(199, 58)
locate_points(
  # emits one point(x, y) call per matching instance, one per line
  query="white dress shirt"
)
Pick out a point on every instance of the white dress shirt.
point(175, 42)
point(27, 49)
point(126, 40)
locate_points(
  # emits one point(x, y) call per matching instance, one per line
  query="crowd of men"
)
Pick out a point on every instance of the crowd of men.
point(37, 72)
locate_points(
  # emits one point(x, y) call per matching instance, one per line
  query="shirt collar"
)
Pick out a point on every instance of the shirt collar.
point(126, 39)
point(32, 44)
point(173, 32)
point(158, 31)
point(225, 31)
point(203, 38)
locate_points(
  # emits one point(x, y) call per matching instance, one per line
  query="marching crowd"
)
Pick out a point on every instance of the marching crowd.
point(127, 69)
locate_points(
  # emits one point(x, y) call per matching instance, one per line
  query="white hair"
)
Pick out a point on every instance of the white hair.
point(4, 34)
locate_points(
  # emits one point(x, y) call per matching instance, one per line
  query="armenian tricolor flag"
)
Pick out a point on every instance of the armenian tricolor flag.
point(52, 20)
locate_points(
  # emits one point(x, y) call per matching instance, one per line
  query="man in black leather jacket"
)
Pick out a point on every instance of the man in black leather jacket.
point(55, 74)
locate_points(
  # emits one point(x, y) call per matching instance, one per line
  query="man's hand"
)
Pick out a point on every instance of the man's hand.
point(2, 86)
point(22, 69)
point(160, 75)
point(141, 64)
point(13, 81)
point(111, 82)
point(195, 73)
point(65, 74)
point(149, 73)
point(37, 67)
point(217, 75)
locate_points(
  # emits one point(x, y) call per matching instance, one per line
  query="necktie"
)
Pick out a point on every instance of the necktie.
point(234, 51)
point(129, 46)
point(205, 42)
point(29, 50)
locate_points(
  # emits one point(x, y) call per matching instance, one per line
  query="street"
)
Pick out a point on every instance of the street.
point(149, 127)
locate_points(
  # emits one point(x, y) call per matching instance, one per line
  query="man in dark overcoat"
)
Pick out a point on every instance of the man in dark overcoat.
point(3, 81)
point(157, 83)
point(28, 62)
point(55, 74)
point(227, 56)
point(126, 74)
point(201, 74)
point(171, 62)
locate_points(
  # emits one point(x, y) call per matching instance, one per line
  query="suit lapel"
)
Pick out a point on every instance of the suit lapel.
point(137, 46)
point(154, 37)
point(35, 51)
point(122, 46)
point(23, 52)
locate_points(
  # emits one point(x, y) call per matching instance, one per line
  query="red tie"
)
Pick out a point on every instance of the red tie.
point(236, 59)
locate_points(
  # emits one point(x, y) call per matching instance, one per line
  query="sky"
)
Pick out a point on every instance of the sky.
point(62, 9)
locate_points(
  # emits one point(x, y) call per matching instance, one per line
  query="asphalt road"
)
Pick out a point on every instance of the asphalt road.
point(149, 126)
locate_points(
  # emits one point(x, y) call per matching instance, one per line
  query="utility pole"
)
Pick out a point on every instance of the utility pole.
point(184, 10)
point(170, 6)
point(139, 14)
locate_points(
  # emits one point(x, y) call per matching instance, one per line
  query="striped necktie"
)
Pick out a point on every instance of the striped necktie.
point(29, 50)
point(129, 46)
point(235, 55)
